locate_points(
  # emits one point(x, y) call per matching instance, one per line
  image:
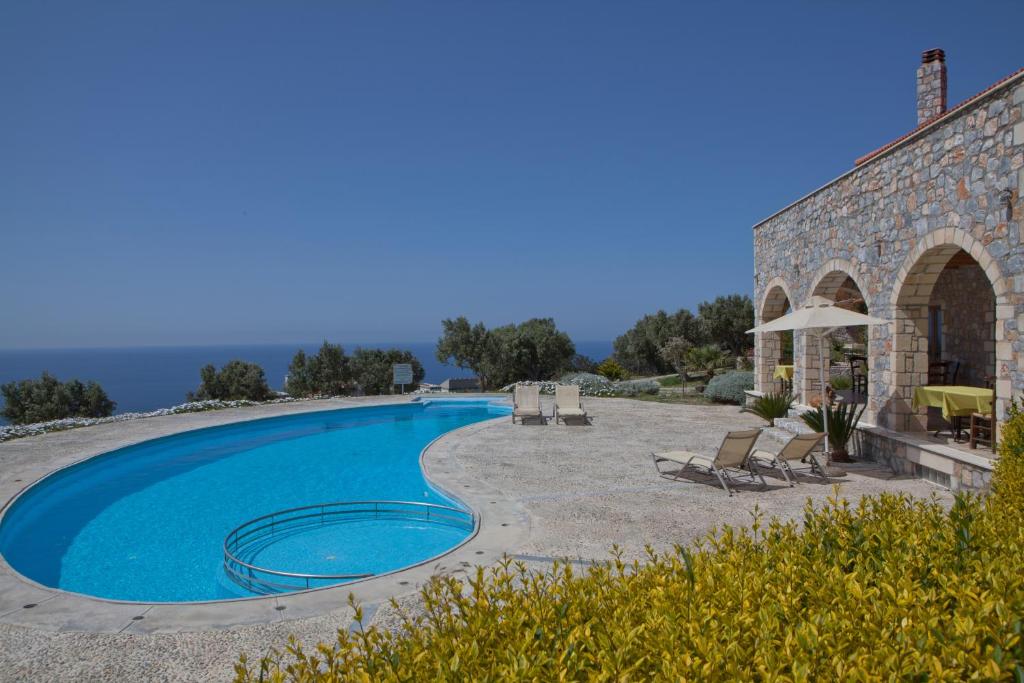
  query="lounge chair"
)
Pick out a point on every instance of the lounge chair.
point(800, 447)
point(733, 454)
point(525, 402)
point(568, 403)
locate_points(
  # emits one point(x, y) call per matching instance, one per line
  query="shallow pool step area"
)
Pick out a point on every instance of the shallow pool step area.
point(320, 545)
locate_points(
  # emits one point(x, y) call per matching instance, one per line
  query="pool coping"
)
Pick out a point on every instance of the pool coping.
point(502, 522)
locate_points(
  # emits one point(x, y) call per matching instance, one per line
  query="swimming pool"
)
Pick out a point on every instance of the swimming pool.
point(148, 522)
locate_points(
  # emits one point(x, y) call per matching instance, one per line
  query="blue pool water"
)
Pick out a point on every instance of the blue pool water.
point(147, 522)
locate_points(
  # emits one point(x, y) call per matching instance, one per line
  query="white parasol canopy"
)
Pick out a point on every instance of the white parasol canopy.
point(823, 315)
point(819, 313)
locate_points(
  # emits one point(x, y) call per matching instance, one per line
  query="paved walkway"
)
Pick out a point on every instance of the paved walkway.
point(557, 491)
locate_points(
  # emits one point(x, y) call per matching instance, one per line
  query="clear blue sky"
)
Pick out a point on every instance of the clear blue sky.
point(218, 172)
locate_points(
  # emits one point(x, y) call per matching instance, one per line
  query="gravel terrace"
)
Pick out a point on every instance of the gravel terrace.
point(581, 489)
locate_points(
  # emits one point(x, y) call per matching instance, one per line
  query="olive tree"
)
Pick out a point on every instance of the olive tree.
point(47, 398)
point(675, 353)
point(639, 348)
point(532, 350)
point(236, 380)
point(327, 373)
point(372, 369)
point(726, 320)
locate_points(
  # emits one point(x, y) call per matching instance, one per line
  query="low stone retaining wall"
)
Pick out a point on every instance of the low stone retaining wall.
point(912, 455)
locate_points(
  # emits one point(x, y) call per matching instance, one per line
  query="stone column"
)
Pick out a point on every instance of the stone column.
point(909, 367)
point(769, 348)
point(811, 386)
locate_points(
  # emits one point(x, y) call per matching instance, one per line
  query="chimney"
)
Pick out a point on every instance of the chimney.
point(931, 85)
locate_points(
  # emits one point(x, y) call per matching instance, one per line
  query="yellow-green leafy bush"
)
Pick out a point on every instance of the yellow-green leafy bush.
point(887, 589)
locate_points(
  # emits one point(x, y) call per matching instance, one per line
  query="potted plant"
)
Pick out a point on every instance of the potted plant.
point(842, 422)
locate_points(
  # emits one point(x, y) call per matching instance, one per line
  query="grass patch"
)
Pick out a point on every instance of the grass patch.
point(679, 397)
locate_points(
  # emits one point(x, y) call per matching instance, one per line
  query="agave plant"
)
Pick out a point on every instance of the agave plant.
point(842, 421)
point(770, 406)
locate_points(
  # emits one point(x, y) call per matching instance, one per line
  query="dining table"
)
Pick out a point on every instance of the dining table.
point(783, 372)
point(954, 400)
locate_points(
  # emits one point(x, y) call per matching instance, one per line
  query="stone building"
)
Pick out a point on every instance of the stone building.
point(923, 231)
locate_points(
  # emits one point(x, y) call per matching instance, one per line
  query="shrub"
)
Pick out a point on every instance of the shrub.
point(888, 589)
point(729, 388)
point(610, 369)
point(842, 382)
point(634, 387)
point(771, 406)
point(236, 381)
point(589, 384)
point(47, 398)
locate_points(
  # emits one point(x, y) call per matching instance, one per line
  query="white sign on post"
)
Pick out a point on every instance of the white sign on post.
point(402, 374)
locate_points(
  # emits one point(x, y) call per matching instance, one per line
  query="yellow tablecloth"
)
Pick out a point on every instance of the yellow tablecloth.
point(783, 372)
point(955, 401)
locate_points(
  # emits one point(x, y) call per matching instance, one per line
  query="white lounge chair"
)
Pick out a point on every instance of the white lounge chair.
point(525, 402)
point(568, 403)
point(801, 446)
point(733, 454)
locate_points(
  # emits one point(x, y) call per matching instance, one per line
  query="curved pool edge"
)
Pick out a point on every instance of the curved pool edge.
point(23, 602)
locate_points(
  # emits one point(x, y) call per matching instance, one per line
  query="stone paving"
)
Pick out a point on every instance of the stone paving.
point(543, 491)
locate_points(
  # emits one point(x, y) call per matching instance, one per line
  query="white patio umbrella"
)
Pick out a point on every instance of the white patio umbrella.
point(823, 315)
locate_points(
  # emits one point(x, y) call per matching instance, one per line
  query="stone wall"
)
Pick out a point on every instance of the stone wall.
point(956, 471)
point(968, 322)
point(892, 224)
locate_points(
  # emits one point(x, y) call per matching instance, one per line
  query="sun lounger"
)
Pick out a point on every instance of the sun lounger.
point(568, 403)
point(525, 402)
point(733, 455)
point(800, 447)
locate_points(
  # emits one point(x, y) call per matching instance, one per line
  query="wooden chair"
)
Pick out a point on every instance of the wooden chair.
point(983, 425)
point(859, 374)
point(938, 372)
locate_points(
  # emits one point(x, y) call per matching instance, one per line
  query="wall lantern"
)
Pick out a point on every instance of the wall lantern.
point(1006, 197)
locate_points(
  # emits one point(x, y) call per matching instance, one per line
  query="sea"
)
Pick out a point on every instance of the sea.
point(146, 378)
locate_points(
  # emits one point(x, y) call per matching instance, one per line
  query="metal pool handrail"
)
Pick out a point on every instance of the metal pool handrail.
point(259, 579)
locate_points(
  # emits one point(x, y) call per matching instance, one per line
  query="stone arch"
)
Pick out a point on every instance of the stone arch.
point(911, 298)
point(829, 281)
point(945, 244)
point(774, 303)
point(833, 274)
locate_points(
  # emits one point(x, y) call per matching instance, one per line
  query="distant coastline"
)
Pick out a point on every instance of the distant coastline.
point(142, 379)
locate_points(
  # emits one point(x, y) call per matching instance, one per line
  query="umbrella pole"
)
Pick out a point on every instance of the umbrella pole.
point(824, 396)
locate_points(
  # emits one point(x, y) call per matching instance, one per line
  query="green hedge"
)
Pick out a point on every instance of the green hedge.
point(889, 588)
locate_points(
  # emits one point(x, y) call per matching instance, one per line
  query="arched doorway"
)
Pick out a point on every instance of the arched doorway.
point(945, 313)
point(846, 354)
point(773, 348)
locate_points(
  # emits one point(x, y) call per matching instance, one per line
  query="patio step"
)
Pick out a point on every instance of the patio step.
point(777, 434)
point(792, 425)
